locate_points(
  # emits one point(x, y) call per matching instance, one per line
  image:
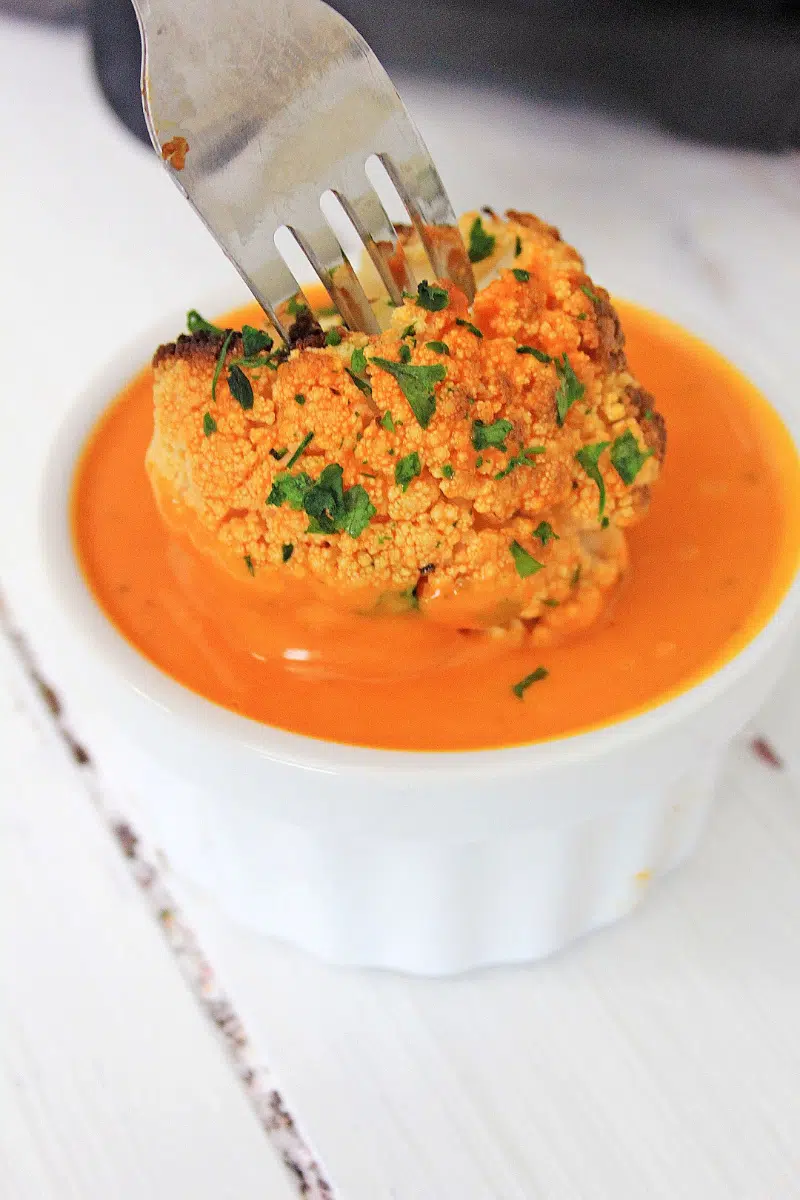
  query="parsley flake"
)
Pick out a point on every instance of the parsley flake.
point(299, 398)
point(405, 353)
point(287, 550)
point(358, 361)
point(387, 421)
point(438, 347)
point(223, 350)
point(485, 437)
point(517, 246)
point(448, 471)
point(333, 338)
point(468, 325)
point(576, 577)
point(406, 469)
point(296, 305)
point(332, 509)
point(417, 385)
point(248, 562)
point(299, 450)
point(432, 297)
point(209, 425)
point(197, 324)
point(240, 387)
point(361, 384)
point(279, 454)
point(523, 459)
point(540, 355)
point(519, 689)
point(481, 243)
point(545, 533)
point(587, 291)
point(525, 563)
point(289, 489)
point(569, 390)
point(408, 332)
point(588, 457)
point(626, 457)
point(255, 341)
point(520, 275)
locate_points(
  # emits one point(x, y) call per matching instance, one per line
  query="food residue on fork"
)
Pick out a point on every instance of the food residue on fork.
point(438, 537)
point(174, 152)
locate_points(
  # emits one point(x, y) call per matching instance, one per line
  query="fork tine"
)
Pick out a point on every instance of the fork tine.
point(340, 282)
point(435, 223)
point(380, 240)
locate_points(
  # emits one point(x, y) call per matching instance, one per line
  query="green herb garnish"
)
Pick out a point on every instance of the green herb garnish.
point(404, 353)
point(387, 422)
point(332, 509)
point(569, 390)
point(545, 533)
point(548, 603)
point(416, 384)
point(358, 361)
point(626, 457)
point(517, 246)
point(299, 398)
point(519, 689)
point(587, 291)
point(468, 325)
point(648, 414)
point(588, 457)
point(481, 243)
point(478, 461)
point(448, 471)
point(408, 332)
point(576, 577)
point(540, 355)
point(520, 275)
point(525, 458)
point(289, 489)
point(279, 454)
point(493, 436)
point(240, 386)
point(209, 425)
point(525, 563)
point(406, 469)
point(333, 338)
point(220, 363)
point(197, 324)
point(299, 450)
point(432, 297)
point(287, 550)
point(604, 524)
point(296, 306)
point(361, 384)
point(254, 341)
point(248, 562)
point(438, 347)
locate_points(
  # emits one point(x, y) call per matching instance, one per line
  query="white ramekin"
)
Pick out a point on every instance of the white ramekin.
point(430, 863)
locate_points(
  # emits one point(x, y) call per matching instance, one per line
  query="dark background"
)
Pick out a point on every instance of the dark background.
point(725, 73)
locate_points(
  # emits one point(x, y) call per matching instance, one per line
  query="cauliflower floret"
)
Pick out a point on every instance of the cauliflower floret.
point(476, 463)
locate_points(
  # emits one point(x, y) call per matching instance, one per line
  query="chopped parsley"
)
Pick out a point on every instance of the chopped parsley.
point(545, 533)
point(523, 459)
point(416, 384)
point(255, 341)
point(361, 384)
point(432, 297)
point(588, 457)
point(405, 353)
point(289, 489)
point(299, 398)
point(259, 360)
point(287, 550)
point(581, 316)
point(406, 469)
point(241, 387)
point(540, 355)
point(197, 324)
point(519, 689)
point(626, 457)
point(468, 325)
point(223, 350)
point(517, 246)
point(408, 332)
point(209, 425)
point(334, 509)
point(299, 450)
point(648, 414)
point(333, 338)
point(520, 275)
point(478, 461)
point(604, 524)
point(485, 437)
point(448, 471)
point(248, 562)
point(548, 603)
point(438, 347)
point(569, 390)
point(279, 454)
point(358, 361)
point(587, 291)
point(525, 563)
point(296, 305)
point(387, 421)
point(576, 577)
point(481, 243)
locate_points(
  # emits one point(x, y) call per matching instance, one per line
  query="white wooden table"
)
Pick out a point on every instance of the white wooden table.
point(151, 1049)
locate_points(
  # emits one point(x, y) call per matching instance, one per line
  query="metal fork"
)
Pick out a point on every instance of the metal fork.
point(259, 108)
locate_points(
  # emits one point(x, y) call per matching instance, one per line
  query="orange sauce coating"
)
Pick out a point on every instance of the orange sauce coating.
point(709, 564)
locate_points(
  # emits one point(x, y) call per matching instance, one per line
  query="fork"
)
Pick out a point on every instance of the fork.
point(275, 120)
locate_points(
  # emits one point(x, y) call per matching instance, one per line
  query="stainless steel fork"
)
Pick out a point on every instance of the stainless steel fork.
point(259, 108)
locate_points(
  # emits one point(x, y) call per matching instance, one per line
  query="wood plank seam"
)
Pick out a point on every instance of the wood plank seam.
point(274, 1116)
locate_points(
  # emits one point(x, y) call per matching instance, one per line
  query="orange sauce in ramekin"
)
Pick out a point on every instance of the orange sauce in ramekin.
point(709, 565)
